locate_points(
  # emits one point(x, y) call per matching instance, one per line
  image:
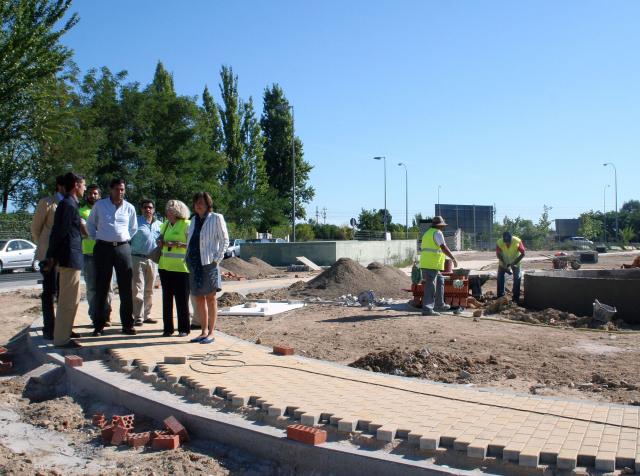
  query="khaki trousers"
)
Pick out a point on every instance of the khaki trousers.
point(144, 275)
point(68, 300)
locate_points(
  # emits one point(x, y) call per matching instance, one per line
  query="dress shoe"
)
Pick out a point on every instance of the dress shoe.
point(167, 334)
point(75, 335)
point(97, 333)
point(137, 322)
point(150, 321)
point(47, 336)
point(72, 344)
point(130, 331)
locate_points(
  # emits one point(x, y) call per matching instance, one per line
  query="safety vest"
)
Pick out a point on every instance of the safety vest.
point(174, 259)
point(510, 253)
point(431, 256)
point(87, 243)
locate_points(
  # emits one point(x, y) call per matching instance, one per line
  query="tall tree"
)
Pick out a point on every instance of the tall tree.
point(278, 127)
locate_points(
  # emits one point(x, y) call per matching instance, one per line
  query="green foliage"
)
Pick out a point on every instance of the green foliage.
point(304, 232)
point(535, 236)
point(627, 234)
point(331, 232)
point(590, 226)
point(15, 225)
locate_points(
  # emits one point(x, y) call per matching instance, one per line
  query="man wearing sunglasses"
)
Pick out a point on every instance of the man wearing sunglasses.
point(144, 269)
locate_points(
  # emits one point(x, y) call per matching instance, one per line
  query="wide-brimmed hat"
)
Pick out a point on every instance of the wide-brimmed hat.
point(438, 221)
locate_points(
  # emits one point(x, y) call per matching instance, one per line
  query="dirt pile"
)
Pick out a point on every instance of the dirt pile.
point(438, 366)
point(60, 414)
point(252, 269)
point(346, 276)
point(271, 294)
point(230, 299)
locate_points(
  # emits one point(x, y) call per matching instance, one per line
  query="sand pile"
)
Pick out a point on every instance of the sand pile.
point(346, 276)
point(439, 366)
point(253, 269)
point(230, 299)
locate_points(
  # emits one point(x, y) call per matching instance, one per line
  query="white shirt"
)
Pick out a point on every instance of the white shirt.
point(108, 223)
point(214, 238)
point(438, 237)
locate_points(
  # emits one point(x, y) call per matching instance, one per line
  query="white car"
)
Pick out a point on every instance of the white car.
point(579, 242)
point(234, 248)
point(18, 254)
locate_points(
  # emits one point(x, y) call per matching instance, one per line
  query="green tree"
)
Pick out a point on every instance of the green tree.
point(304, 232)
point(627, 234)
point(590, 226)
point(278, 127)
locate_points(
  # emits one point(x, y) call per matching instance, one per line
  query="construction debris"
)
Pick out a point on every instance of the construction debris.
point(310, 264)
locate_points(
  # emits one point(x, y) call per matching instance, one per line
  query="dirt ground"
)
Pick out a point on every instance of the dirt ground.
point(56, 437)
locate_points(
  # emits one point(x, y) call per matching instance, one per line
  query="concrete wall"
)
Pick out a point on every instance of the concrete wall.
point(575, 291)
point(325, 253)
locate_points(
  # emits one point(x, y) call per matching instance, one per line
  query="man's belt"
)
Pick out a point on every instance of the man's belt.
point(112, 243)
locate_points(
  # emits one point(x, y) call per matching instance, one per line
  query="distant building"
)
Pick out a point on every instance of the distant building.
point(567, 227)
point(475, 222)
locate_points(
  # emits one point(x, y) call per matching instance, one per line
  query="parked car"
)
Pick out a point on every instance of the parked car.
point(18, 254)
point(579, 242)
point(234, 248)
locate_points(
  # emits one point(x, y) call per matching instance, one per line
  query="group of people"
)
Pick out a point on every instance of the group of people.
point(105, 235)
point(434, 252)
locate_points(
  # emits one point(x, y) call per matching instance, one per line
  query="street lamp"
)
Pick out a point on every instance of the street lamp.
point(406, 199)
point(286, 107)
point(604, 212)
point(384, 160)
point(439, 211)
point(615, 181)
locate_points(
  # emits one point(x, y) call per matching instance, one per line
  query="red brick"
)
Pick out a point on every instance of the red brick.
point(107, 434)
point(175, 427)
point(282, 350)
point(306, 434)
point(119, 435)
point(73, 361)
point(125, 421)
point(98, 419)
point(166, 442)
point(3, 350)
point(139, 439)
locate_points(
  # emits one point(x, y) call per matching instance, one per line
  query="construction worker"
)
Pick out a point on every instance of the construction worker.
point(510, 251)
point(635, 264)
point(432, 257)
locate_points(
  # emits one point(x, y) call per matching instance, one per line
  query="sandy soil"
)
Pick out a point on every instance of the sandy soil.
point(18, 309)
point(56, 437)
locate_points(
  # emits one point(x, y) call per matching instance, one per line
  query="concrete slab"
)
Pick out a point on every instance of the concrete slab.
point(260, 309)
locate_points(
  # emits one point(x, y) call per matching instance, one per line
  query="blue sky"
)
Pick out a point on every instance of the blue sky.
point(515, 104)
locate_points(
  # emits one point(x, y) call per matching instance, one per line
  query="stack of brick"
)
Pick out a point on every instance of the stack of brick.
point(120, 430)
point(456, 291)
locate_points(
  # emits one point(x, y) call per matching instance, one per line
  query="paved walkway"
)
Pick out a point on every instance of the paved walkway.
point(527, 430)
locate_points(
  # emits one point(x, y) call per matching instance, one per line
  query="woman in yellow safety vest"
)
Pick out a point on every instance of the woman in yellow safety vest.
point(174, 274)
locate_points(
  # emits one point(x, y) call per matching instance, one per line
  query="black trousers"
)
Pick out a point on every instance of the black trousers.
point(175, 285)
point(107, 257)
point(49, 291)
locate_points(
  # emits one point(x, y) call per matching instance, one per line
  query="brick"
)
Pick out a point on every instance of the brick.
point(107, 434)
point(73, 361)
point(175, 359)
point(5, 367)
point(306, 434)
point(166, 442)
point(282, 350)
point(175, 427)
point(119, 435)
point(98, 419)
point(125, 421)
point(139, 439)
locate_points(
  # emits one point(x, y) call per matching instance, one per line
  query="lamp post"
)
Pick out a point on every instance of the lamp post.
point(439, 211)
point(615, 185)
point(384, 160)
point(286, 107)
point(406, 199)
point(604, 213)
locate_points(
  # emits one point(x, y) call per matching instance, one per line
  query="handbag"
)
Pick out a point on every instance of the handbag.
point(156, 253)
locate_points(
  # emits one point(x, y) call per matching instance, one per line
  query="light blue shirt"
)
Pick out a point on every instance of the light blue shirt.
point(108, 223)
point(144, 241)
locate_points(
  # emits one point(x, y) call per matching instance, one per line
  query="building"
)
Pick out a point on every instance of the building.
point(475, 222)
point(567, 227)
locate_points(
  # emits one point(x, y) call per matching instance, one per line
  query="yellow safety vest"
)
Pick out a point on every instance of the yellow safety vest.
point(87, 243)
point(431, 256)
point(174, 259)
point(509, 253)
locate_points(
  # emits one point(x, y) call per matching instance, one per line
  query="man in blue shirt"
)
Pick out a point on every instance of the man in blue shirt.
point(112, 223)
point(144, 269)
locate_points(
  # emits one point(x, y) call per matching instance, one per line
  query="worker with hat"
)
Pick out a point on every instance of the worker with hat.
point(432, 257)
point(510, 251)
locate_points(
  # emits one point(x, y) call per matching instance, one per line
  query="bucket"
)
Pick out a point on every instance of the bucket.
point(603, 312)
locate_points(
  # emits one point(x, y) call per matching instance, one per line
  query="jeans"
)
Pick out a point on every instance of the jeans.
point(515, 269)
point(106, 258)
point(433, 290)
point(49, 290)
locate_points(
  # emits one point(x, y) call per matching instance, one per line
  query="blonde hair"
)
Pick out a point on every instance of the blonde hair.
point(179, 209)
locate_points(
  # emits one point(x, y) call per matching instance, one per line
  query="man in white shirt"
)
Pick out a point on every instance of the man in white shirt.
point(112, 223)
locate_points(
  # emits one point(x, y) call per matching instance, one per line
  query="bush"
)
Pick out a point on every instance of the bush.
point(304, 232)
point(15, 225)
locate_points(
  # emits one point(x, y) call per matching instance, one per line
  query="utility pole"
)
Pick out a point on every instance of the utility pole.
point(317, 216)
point(615, 184)
point(384, 161)
point(324, 215)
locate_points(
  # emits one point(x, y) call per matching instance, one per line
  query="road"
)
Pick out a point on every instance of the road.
point(19, 279)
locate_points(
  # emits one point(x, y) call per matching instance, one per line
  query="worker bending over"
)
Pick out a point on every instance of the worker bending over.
point(432, 257)
point(510, 251)
point(635, 264)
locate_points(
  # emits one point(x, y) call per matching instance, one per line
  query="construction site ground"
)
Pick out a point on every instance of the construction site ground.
point(589, 365)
